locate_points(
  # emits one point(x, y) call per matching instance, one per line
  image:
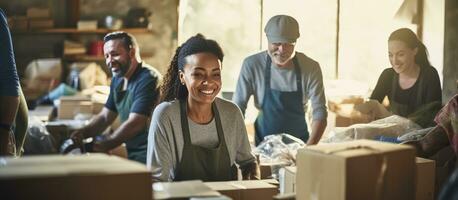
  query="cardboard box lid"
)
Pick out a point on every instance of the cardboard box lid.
point(421, 161)
point(60, 165)
point(182, 189)
point(355, 148)
point(239, 185)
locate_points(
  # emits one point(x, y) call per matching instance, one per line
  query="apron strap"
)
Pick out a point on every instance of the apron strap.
point(297, 69)
point(185, 124)
point(219, 127)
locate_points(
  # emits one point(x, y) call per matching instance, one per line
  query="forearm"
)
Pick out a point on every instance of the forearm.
point(8, 106)
point(4, 139)
point(127, 130)
point(318, 127)
point(96, 126)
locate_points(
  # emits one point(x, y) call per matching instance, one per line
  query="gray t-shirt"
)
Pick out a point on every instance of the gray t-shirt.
point(165, 123)
point(252, 82)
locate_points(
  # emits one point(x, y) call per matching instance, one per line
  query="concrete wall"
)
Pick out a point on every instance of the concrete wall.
point(450, 73)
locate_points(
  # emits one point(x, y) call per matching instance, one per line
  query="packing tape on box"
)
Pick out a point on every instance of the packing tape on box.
point(381, 177)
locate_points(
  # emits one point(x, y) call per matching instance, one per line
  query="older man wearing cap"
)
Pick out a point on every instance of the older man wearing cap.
point(282, 81)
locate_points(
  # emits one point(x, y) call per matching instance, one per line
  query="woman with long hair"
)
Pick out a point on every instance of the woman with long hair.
point(193, 133)
point(411, 82)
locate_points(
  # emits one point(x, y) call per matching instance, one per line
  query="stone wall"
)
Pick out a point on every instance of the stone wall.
point(159, 45)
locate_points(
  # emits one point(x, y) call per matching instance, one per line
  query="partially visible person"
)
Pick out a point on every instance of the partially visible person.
point(11, 97)
point(134, 91)
point(411, 82)
point(447, 120)
point(445, 133)
point(282, 81)
point(193, 133)
point(436, 145)
point(450, 189)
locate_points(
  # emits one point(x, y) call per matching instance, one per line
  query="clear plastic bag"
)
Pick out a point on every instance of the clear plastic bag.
point(415, 135)
point(279, 148)
point(278, 151)
point(38, 140)
point(392, 126)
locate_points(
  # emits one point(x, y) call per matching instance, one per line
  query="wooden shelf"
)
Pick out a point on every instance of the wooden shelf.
point(76, 31)
point(89, 58)
point(83, 58)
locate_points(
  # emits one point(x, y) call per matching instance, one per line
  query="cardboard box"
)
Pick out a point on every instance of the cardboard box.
point(345, 121)
point(71, 105)
point(38, 13)
point(356, 170)
point(287, 180)
point(244, 190)
point(87, 25)
point(41, 23)
point(425, 179)
point(269, 170)
point(182, 190)
point(19, 23)
point(88, 177)
point(335, 104)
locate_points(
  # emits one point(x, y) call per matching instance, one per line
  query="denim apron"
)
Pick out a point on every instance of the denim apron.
point(281, 112)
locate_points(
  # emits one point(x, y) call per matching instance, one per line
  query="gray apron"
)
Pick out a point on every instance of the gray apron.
point(206, 164)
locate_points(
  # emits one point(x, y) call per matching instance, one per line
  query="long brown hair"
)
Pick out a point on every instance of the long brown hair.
point(411, 40)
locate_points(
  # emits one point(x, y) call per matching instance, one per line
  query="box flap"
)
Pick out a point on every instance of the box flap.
point(182, 189)
point(356, 148)
point(60, 165)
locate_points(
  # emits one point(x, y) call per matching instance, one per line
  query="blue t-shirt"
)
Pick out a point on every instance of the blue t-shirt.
point(140, 97)
point(9, 80)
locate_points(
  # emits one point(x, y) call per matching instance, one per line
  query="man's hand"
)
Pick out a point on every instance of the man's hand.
point(99, 146)
point(77, 136)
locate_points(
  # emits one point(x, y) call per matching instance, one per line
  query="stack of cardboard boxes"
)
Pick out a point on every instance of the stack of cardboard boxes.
point(39, 18)
point(35, 18)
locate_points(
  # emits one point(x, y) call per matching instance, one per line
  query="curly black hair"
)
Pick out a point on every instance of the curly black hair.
point(171, 87)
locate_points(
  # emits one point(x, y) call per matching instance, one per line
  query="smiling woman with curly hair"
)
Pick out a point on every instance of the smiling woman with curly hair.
point(193, 133)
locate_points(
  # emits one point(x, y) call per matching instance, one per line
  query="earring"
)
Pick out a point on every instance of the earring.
point(182, 83)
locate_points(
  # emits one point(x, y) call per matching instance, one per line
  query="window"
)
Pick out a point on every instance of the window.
point(347, 37)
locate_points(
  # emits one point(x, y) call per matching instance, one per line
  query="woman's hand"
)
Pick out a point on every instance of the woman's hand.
point(250, 171)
